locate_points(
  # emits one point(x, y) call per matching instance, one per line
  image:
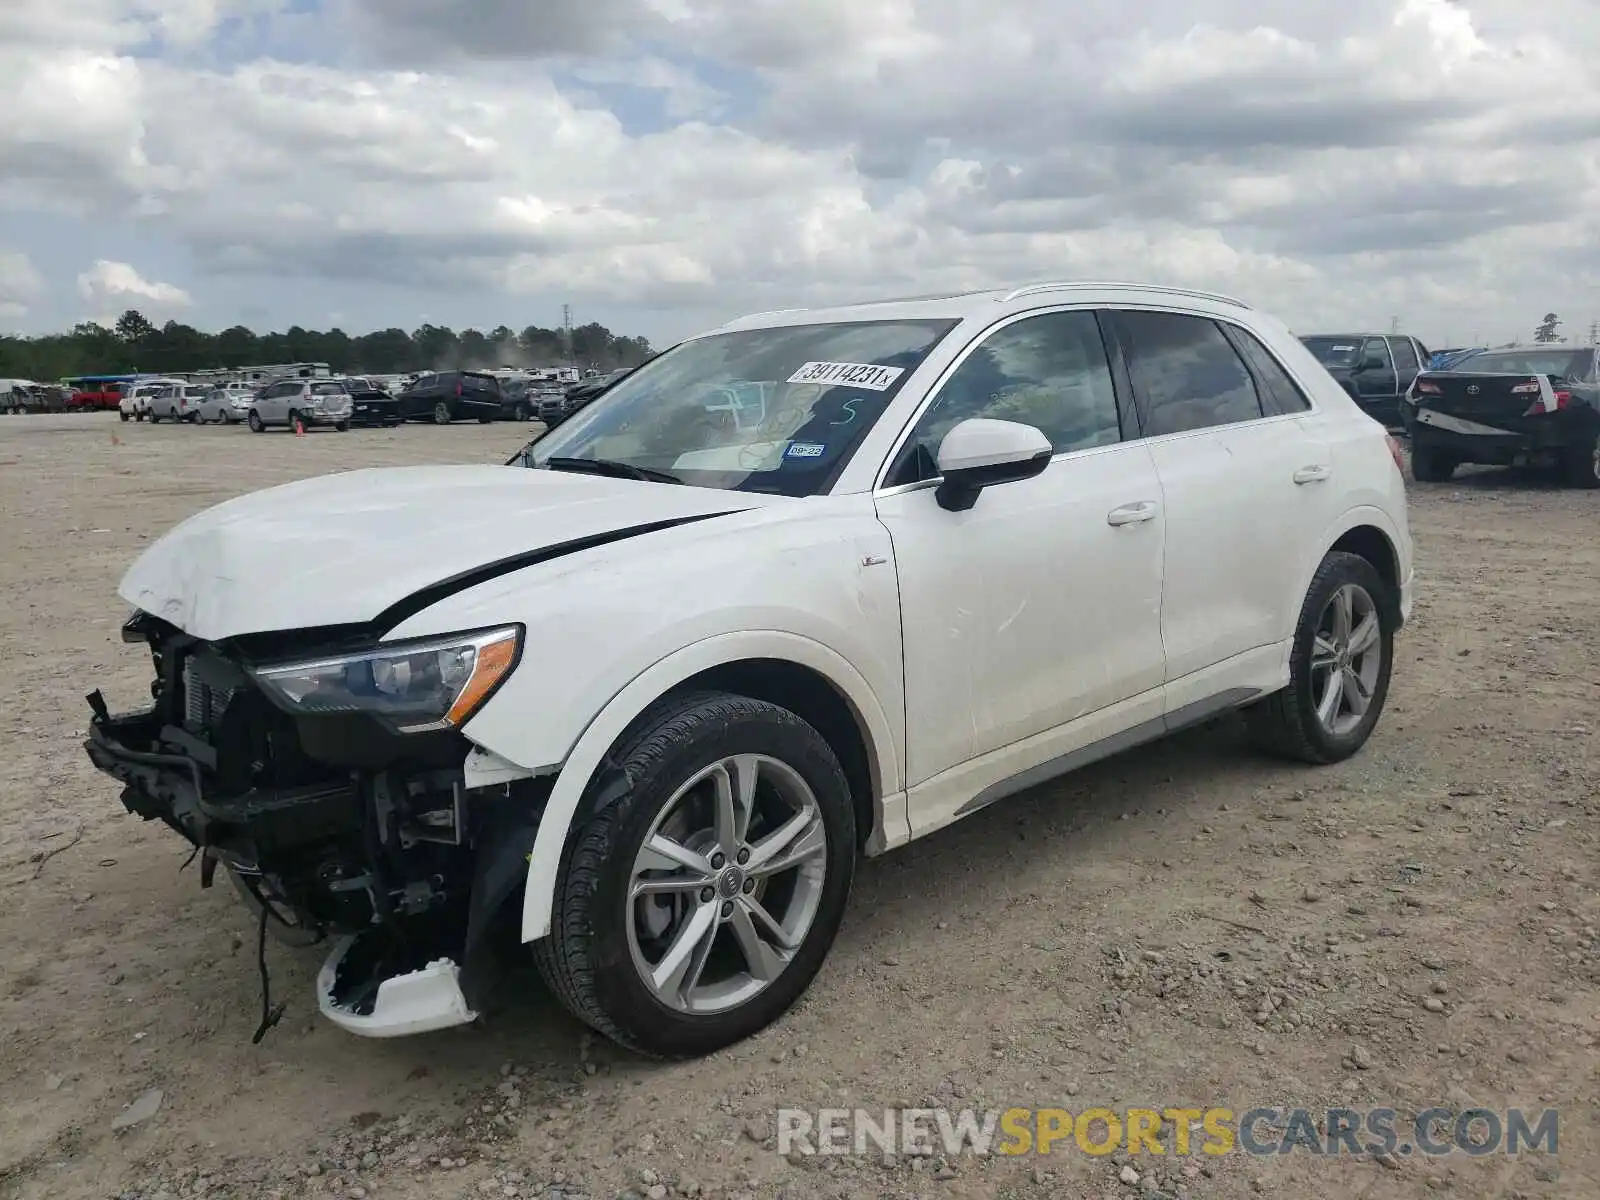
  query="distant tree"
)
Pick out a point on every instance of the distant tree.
point(135, 343)
point(133, 327)
point(1547, 329)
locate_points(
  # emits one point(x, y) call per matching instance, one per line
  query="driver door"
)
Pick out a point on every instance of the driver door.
point(1031, 622)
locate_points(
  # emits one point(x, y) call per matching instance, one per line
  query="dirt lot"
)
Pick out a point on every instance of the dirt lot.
point(1423, 918)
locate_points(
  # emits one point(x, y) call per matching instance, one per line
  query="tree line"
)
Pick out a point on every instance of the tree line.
point(136, 344)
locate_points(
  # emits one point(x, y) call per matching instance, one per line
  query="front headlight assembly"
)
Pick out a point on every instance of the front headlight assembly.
point(414, 687)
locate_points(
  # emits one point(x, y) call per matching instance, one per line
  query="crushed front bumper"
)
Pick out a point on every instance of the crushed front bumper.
point(418, 1001)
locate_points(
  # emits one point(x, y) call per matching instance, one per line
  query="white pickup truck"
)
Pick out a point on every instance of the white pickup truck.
point(135, 402)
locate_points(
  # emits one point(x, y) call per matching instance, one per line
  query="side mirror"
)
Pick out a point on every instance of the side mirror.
point(980, 453)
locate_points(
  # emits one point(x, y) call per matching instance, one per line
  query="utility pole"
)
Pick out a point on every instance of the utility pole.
point(1594, 333)
point(1394, 326)
point(566, 331)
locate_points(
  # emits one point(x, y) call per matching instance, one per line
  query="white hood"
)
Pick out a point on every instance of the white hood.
point(340, 549)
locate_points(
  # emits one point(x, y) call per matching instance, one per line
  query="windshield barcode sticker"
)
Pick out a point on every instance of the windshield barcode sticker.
point(842, 374)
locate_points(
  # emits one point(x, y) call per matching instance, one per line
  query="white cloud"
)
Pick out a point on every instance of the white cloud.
point(111, 287)
point(1336, 160)
point(20, 283)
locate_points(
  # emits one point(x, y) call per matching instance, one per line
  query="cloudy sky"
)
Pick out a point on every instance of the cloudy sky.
point(662, 165)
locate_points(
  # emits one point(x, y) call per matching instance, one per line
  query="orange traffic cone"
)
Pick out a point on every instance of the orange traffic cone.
point(299, 427)
point(115, 440)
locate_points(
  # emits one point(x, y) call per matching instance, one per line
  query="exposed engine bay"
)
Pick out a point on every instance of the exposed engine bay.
point(336, 823)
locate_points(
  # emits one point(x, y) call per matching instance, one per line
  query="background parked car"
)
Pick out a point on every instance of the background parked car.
point(371, 403)
point(16, 395)
point(519, 397)
point(450, 395)
point(135, 402)
point(555, 409)
point(1537, 405)
point(310, 401)
point(226, 404)
point(177, 402)
point(1376, 369)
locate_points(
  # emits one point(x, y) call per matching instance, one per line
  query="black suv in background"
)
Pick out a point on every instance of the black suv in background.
point(450, 395)
point(1376, 369)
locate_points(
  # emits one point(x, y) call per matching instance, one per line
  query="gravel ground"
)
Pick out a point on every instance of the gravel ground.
point(1186, 925)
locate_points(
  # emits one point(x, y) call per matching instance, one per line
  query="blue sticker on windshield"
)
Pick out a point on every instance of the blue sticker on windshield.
point(804, 450)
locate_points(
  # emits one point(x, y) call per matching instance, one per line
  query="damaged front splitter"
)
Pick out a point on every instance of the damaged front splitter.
point(414, 1002)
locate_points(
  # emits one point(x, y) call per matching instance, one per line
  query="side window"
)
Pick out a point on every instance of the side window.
point(1380, 348)
point(1280, 393)
point(1049, 371)
point(1405, 354)
point(1188, 373)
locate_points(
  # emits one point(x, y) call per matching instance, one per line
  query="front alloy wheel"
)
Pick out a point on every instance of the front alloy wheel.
point(718, 910)
point(700, 897)
point(441, 413)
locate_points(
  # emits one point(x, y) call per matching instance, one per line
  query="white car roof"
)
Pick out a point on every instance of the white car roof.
point(991, 303)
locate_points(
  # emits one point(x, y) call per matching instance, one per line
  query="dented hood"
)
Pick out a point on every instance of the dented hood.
point(341, 549)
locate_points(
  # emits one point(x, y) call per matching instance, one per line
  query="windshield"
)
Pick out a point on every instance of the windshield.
point(761, 410)
point(1563, 364)
point(1334, 351)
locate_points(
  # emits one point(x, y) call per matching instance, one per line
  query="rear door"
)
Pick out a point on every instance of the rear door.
point(1247, 482)
point(1406, 364)
point(1375, 379)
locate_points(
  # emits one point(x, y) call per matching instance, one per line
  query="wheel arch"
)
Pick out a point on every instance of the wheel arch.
point(1368, 532)
point(803, 675)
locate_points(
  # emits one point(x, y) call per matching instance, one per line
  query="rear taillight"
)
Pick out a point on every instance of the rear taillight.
point(1428, 389)
point(1395, 453)
point(1563, 399)
point(458, 387)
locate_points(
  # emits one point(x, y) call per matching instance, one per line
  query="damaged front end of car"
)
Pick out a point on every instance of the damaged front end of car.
point(327, 774)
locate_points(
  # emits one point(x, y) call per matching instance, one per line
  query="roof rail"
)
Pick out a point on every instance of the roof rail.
point(1030, 289)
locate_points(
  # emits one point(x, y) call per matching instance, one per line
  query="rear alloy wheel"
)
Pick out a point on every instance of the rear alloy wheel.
point(696, 906)
point(1339, 666)
point(522, 413)
point(441, 413)
point(255, 422)
point(1430, 465)
point(1580, 466)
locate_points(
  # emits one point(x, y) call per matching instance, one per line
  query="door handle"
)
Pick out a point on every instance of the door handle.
point(1132, 514)
point(1314, 474)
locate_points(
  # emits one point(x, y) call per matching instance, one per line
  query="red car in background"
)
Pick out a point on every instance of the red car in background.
point(91, 392)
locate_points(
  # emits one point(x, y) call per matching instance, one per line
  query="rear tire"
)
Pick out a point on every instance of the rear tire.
point(1580, 466)
point(1430, 465)
point(1295, 723)
point(597, 959)
point(442, 414)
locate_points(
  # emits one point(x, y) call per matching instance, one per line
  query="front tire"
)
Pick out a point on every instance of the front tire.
point(1339, 666)
point(124, 416)
point(695, 906)
point(441, 414)
point(257, 425)
point(341, 426)
point(1431, 465)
